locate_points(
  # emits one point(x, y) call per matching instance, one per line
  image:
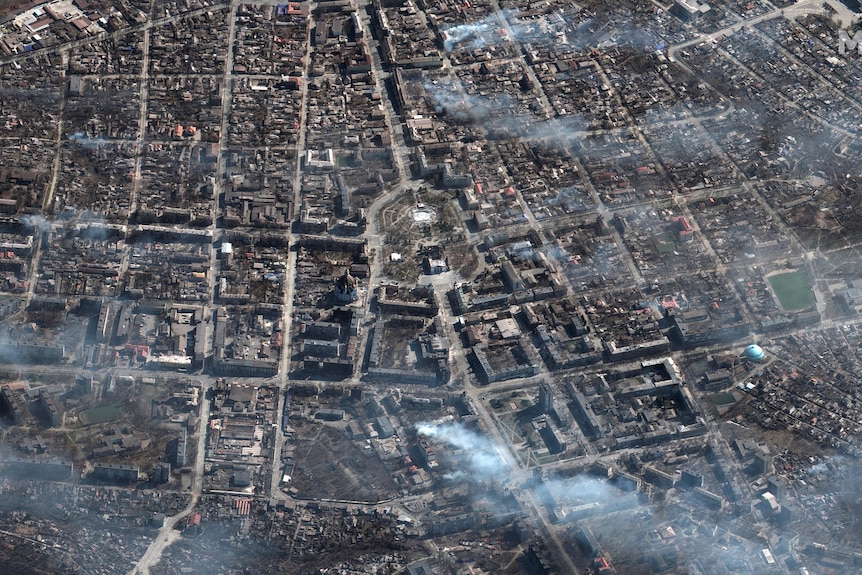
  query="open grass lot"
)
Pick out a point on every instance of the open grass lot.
point(101, 414)
point(792, 290)
point(722, 399)
point(330, 466)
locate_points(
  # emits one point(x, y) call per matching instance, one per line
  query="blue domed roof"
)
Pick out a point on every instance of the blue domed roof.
point(753, 353)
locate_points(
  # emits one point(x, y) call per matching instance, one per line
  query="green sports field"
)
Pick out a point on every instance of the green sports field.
point(101, 414)
point(722, 399)
point(792, 290)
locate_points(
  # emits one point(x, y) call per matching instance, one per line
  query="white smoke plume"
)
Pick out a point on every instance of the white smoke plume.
point(86, 141)
point(582, 489)
point(589, 33)
point(503, 117)
point(474, 35)
point(481, 455)
point(37, 222)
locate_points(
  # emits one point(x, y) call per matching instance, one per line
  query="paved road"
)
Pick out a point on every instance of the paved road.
point(168, 533)
point(401, 152)
point(460, 366)
point(153, 23)
point(801, 7)
point(144, 97)
point(283, 370)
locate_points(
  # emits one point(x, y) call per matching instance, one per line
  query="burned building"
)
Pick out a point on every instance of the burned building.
point(116, 472)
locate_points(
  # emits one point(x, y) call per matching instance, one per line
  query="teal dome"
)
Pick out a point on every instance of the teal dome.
point(753, 353)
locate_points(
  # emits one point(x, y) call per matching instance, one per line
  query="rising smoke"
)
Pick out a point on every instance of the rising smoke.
point(473, 35)
point(482, 458)
point(626, 518)
point(484, 463)
point(37, 222)
point(494, 30)
point(503, 117)
point(85, 141)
